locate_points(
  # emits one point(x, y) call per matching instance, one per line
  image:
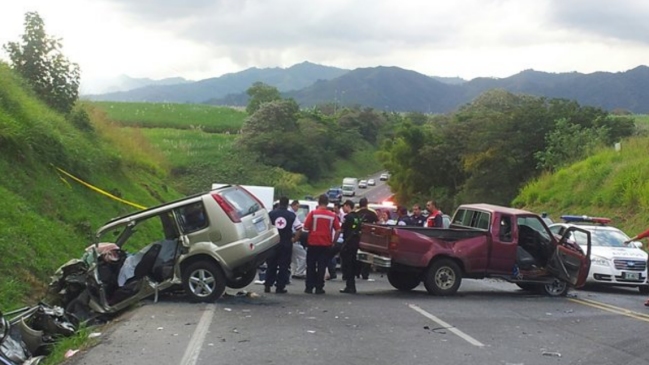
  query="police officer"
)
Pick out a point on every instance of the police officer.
point(366, 215)
point(351, 239)
point(417, 219)
point(278, 263)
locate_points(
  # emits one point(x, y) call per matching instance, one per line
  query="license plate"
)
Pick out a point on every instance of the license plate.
point(632, 275)
point(260, 226)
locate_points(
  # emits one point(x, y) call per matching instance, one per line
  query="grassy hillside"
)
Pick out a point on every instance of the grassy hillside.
point(610, 184)
point(45, 217)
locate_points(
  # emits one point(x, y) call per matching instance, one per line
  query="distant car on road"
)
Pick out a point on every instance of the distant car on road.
point(371, 182)
point(362, 184)
point(335, 195)
point(612, 261)
point(384, 177)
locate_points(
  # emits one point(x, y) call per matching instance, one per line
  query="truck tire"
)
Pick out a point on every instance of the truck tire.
point(243, 280)
point(404, 281)
point(203, 281)
point(443, 277)
point(557, 288)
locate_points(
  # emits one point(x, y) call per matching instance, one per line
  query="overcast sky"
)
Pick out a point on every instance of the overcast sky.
point(466, 38)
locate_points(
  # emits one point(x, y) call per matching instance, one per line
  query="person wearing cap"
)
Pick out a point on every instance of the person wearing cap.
point(403, 218)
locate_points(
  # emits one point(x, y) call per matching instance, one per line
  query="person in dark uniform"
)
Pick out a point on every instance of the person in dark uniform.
point(366, 215)
point(278, 263)
point(417, 218)
point(351, 238)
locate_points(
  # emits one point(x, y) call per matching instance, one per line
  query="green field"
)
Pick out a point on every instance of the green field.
point(213, 119)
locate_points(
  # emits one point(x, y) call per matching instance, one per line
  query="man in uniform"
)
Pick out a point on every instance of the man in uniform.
point(320, 223)
point(417, 218)
point(366, 215)
point(278, 263)
point(435, 218)
point(351, 238)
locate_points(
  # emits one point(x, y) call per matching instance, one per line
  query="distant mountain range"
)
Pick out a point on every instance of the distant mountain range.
point(284, 79)
point(397, 89)
point(125, 83)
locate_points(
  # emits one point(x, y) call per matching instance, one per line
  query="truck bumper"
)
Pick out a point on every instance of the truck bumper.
point(372, 259)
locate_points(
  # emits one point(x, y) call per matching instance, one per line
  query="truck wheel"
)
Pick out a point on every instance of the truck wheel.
point(243, 280)
point(404, 281)
point(203, 281)
point(557, 288)
point(443, 277)
point(643, 289)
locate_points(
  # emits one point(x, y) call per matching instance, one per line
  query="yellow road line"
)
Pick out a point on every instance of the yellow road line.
point(611, 308)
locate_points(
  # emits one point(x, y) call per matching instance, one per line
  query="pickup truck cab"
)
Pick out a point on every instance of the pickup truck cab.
point(483, 241)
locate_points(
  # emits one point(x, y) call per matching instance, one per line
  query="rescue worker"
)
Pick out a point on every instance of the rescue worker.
point(298, 258)
point(366, 215)
point(417, 219)
point(278, 263)
point(403, 218)
point(320, 223)
point(435, 218)
point(351, 238)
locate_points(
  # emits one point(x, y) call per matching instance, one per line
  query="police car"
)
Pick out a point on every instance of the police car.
point(612, 261)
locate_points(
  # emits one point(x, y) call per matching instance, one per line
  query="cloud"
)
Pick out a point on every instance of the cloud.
point(620, 20)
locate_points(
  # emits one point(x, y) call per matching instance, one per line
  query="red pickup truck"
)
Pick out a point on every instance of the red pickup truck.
point(483, 241)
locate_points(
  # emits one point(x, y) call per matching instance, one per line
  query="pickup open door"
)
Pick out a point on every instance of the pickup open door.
point(568, 263)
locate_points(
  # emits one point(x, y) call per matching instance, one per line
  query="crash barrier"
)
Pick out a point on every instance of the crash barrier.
point(100, 191)
point(28, 336)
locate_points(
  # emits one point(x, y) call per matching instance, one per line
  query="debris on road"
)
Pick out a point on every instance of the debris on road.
point(552, 354)
point(70, 353)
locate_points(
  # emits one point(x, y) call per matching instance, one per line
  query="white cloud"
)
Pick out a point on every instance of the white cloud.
point(467, 38)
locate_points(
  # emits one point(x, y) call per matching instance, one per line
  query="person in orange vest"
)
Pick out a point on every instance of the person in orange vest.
point(435, 217)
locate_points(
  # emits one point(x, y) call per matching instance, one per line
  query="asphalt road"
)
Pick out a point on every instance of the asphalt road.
point(487, 322)
point(374, 194)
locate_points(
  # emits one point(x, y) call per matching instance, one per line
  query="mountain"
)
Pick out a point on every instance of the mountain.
point(124, 83)
point(387, 88)
point(295, 77)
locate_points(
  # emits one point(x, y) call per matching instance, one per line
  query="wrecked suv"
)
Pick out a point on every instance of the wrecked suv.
point(201, 243)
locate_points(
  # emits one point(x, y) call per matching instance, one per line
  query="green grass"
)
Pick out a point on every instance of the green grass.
point(214, 119)
point(609, 183)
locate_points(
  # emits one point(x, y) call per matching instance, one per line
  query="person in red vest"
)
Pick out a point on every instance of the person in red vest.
point(435, 217)
point(324, 228)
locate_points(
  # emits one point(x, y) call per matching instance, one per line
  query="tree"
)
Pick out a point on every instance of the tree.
point(260, 93)
point(39, 60)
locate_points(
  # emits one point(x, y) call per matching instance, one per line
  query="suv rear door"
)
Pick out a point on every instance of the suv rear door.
point(243, 207)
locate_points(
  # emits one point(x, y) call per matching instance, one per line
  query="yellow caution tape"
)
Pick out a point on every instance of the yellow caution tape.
point(97, 189)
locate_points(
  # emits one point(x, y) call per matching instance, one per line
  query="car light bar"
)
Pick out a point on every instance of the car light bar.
point(585, 219)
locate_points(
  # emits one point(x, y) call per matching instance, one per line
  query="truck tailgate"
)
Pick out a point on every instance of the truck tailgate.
point(376, 239)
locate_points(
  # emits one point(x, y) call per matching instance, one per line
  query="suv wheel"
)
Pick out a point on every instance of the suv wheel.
point(203, 281)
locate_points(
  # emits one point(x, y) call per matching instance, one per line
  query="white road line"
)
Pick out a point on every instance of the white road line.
point(194, 347)
point(447, 326)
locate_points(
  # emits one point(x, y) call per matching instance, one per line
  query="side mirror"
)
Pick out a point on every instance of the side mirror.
point(635, 244)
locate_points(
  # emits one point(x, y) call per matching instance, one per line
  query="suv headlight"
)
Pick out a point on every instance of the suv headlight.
point(599, 260)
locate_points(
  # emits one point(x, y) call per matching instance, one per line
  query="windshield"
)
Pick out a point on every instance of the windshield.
point(348, 188)
point(602, 238)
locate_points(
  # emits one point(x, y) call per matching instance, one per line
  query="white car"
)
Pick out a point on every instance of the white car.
point(612, 261)
point(384, 177)
point(362, 184)
point(371, 182)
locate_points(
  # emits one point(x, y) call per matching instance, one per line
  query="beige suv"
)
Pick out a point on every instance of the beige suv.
point(203, 243)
